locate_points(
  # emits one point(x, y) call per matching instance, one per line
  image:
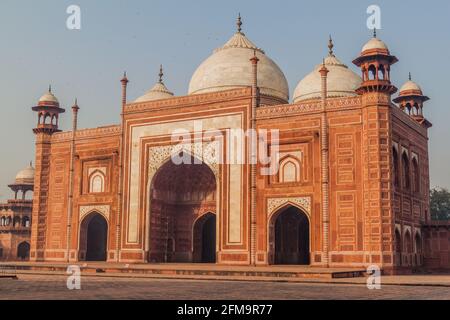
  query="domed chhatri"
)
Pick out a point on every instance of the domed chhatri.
point(342, 82)
point(25, 176)
point(411, 100)
point(49, 99)
point(375, 45)
point(229, 68)
point(410, 88)
point(158, 92)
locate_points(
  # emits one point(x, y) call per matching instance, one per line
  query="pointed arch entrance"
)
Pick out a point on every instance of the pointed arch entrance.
point(94, 238)
point(178, 196)
point(23, 251)
point(204, 239)
point(289, 237)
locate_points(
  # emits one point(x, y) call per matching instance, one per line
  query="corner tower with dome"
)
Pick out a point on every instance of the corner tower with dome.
point(15, 218)
point(350, 189)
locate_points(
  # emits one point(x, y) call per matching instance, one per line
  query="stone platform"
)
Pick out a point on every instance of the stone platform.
point(188, 271)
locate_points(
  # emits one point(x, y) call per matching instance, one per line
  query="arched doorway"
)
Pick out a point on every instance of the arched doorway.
point(407, 242)
point(178, 195)
point(289, 237)
point(23, 251)
point(94, 238)
point(398, 247)
point(418, 247)
point(204, 234)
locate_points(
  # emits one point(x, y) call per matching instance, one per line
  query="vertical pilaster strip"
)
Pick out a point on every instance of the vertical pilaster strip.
point(75, 109)
point(325, 168)
point(253, 159)
point(124, 82)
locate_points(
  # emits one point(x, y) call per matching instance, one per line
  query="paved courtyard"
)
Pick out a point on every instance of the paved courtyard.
point(54, 287)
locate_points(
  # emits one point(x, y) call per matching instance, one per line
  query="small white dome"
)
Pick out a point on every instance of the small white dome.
point(230, 68)
point(375, 43)
point(49, 97)
point(25, 176)
point(158, 92)
point(341, 82)
point(411, 86)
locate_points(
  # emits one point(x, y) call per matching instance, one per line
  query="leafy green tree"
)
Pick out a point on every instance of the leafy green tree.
point(440, 204)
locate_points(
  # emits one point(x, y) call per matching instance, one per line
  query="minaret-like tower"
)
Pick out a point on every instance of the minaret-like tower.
point(48, 110)
point(375, 62)
point(411, 100)
point(376, 89)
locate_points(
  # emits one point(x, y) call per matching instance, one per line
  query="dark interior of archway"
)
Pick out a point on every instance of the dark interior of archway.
point(292, 238)
point(205, 239)
point(23, 251)
point(97, 237)
point(179, 194)
point(209, 240)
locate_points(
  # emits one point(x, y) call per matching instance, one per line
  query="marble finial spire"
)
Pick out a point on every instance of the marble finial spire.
point(374, 32)
point(239, 23)
point(330, 47)
point(409, 76)
point(161, 74)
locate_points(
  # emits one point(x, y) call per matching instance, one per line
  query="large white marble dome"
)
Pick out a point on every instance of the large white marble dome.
point(341, 82)
point(229, 67)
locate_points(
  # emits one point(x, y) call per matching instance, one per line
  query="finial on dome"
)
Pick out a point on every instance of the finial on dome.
point(75, 107)
point(410, 78)
point(124, 80)
point(330, 47)
point(31, 163)
point(161, 74)
point(239, 23)
point(374, 32)
point(50, 88)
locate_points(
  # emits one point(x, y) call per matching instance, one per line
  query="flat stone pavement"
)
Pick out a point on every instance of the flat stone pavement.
point(39, 287)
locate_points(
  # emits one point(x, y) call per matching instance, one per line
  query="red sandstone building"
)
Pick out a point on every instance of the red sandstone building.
point(352, 187)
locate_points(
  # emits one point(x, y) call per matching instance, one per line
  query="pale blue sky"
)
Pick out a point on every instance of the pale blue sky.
point(137, 36)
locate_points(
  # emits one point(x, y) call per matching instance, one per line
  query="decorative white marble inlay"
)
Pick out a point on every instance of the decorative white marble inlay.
point(103, 209)
point(101, 169)
point(159, 155)
point(275, 203)
point(208, 153)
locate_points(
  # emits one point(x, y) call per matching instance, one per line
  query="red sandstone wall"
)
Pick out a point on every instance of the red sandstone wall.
point(411, 206)
point(94, 148)
point(437, 246)
point(300, 131)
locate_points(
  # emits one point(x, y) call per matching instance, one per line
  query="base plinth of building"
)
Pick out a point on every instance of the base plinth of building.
point(192, 271)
